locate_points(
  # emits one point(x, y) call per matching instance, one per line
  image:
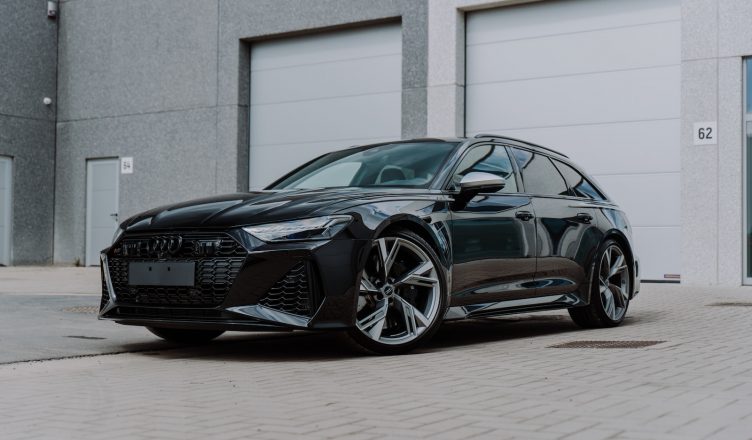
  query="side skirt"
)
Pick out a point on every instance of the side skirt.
point(549, 302)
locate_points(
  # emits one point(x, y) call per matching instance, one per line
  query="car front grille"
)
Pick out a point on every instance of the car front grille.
point(294, 293)
point(216, 270)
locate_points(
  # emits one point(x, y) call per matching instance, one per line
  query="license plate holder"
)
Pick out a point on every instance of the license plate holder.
point(161, 273)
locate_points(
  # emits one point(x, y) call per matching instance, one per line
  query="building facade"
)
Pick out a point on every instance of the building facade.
point(157, 102)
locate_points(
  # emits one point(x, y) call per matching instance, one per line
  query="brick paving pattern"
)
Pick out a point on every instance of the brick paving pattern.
point(492, 378)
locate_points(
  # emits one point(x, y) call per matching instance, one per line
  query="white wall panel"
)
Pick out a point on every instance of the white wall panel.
point(659, 251)
point(319, 93)
point(600, 81)
point(601, 50)
point(566, 17)
point(592, 98)
point(334, 119)
point(326, 80)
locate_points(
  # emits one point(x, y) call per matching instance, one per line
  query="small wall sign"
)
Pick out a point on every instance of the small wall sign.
point(126, 165)
point(705, 133)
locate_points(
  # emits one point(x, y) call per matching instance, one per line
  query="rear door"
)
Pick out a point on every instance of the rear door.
point(566, 233)
point(493, 237)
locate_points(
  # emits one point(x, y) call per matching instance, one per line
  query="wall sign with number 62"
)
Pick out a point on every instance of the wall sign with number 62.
point(705, 133)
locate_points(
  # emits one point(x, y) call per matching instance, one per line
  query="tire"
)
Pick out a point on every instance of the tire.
point(609, 300)
point(185, 336)
point(403, 306)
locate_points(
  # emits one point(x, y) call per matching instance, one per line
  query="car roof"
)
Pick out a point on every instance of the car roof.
point(479, 137)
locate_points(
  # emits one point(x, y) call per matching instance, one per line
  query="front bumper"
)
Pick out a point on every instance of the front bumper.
point(242, 284)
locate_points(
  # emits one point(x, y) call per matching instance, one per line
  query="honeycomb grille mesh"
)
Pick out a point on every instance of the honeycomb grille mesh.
point(293, 293)
point(214, 276)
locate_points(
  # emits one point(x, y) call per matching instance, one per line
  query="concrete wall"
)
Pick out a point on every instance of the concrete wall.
point(28, 62)
point(167, 83)
point(715, 36)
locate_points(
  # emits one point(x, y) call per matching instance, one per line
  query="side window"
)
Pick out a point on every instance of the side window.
point(539, 175)
point(577, 182)
point(487, 159)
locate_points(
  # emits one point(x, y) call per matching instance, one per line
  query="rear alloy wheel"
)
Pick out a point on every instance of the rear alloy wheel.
point(610, 289)
point(402, 297)
point(185, 336)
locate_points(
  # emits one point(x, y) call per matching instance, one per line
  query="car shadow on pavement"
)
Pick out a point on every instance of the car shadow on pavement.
point(324, 346)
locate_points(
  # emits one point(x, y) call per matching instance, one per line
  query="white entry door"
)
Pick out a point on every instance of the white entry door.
point(319, 93)
point(600, 81)
point(6, 195)
point(101, 206)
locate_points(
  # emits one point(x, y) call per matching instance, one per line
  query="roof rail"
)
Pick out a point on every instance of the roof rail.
point(498, 136)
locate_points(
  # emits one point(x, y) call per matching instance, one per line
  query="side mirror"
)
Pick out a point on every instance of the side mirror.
point(477, 182)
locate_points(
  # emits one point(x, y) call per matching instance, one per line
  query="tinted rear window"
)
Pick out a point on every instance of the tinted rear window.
point(539, 175)
point(578, 184)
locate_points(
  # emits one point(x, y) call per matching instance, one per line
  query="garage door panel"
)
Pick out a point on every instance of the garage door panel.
point(345, 118)
point(649, 199)
point(319, 93)
point(623, 147)
point(658, 250)
point(341, 78)
point(327, 47)
point(583, 99)
point(648, 45)
point(267, 166)
point(563, 17)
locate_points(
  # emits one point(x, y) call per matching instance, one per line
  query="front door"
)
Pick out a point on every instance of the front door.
point(6, 193)
point(493, 236)
point(101, 206)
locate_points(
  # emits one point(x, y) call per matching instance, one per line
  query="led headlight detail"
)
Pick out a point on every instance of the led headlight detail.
point(318, 228)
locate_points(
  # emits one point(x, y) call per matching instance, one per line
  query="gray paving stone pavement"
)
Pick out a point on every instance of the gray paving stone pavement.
point(493, 378)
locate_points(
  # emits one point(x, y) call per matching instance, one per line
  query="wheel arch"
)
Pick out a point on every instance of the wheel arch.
point(622, 240)
point(419, 227)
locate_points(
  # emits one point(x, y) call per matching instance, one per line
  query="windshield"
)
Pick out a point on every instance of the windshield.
point(409, 165)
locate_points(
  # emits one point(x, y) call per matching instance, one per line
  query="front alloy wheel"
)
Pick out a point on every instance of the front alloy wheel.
point(402, 296)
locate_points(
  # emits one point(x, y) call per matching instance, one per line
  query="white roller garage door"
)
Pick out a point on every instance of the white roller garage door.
point(319, 93)
point(598, 80)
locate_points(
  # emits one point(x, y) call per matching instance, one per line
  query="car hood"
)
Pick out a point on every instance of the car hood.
point(259, 207)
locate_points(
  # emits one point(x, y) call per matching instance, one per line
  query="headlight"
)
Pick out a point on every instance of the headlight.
point(318, 228)
point(117, 235)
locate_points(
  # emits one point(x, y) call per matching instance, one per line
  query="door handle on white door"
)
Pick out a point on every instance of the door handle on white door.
point(114, 215)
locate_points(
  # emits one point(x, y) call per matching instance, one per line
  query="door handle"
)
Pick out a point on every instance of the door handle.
point(584, 217)
point(114, 215)
point(524, 215)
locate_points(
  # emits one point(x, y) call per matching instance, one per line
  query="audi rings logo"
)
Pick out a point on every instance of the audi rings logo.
point(165, 245)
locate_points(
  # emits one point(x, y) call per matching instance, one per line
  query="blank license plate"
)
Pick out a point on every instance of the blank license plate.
point(161, 274)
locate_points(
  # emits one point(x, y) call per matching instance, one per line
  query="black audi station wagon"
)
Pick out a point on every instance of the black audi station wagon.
point(382, 242)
